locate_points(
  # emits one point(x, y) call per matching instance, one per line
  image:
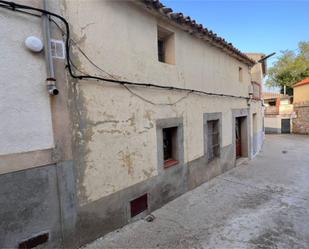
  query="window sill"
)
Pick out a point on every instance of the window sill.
point(170, 162)
point(213, 160)
point(167, 63)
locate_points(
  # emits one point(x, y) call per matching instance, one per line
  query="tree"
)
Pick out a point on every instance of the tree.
point(290, 68)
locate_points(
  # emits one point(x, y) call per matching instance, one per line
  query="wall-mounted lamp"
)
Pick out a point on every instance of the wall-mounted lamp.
point(34, 44)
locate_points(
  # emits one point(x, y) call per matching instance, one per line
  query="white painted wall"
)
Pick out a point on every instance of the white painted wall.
point(273, 122)
point(24, 103)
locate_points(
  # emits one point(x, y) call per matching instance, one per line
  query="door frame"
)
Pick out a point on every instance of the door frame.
point(245, 132)
point(238, 130)
point(289, 121)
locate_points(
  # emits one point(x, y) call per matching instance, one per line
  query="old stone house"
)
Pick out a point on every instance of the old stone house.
point(107, 150)
point(301, 107)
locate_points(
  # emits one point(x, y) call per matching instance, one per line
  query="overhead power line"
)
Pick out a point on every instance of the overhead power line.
point(20, 8)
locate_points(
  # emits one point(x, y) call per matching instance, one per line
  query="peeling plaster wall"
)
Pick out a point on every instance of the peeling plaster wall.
point(115, 133)
point(119, 138)
point(24, 103)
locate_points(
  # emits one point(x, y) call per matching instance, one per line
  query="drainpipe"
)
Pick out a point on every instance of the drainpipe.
point(50, 80)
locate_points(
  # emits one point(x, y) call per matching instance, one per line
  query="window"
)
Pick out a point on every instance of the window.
point(170, 146)
point(161, 51)
point(213, 143)
point(240, 74)
point(139, 205)
point(166, 46)
point(170, 149)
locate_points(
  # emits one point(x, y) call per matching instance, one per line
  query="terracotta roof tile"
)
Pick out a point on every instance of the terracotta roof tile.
point(180, 19)
point(303, 82)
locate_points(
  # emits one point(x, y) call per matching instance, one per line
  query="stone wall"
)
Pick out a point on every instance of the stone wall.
point(301, 122)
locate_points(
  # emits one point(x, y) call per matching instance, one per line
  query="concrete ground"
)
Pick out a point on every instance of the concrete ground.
point(261, 204)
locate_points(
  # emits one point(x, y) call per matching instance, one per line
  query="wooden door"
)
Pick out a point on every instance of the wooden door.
point(238, 137)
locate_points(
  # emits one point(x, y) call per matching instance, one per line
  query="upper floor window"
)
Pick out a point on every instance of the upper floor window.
point(240, 74)
point(166, 46)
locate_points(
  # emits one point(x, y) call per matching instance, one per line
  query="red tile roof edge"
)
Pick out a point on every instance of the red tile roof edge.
point(186, 21)
point(303, 82)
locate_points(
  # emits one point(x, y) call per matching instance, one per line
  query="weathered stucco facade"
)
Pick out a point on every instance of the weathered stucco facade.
point(117, 131)
point(105, 140)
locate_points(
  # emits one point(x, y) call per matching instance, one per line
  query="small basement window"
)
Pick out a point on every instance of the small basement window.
point(240, 74)
point(166, 46)
point(170, 147)
point(213, 144)
point(139, 205)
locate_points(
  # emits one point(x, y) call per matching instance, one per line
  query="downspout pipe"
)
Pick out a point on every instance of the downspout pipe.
point(50, 80)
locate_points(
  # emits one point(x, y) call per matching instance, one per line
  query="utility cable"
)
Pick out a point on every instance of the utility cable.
point(19, 7)
point(112, 76)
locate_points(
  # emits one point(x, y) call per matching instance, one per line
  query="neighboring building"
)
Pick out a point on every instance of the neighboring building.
point(301, 107)
point(259, 70)
point(99, 155)
point(278, 113)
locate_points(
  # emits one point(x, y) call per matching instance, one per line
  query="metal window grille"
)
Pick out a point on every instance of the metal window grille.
point(213, 143)
point(170, 143)
point(161, 55)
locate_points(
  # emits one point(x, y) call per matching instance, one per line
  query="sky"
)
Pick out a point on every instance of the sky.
point(252, 26)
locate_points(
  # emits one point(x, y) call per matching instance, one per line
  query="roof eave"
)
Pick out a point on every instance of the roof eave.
point(185, 23)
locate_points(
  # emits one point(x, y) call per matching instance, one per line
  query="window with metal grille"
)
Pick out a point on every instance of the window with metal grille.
point(161, 51)
point(139, 205)
point(170, 146)
point(213, 136)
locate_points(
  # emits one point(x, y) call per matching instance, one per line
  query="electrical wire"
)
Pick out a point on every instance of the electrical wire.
point(19, 7)
point(152, 103)
point(112, 76)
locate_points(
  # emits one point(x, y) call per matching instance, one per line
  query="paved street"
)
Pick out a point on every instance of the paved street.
point(260, 204)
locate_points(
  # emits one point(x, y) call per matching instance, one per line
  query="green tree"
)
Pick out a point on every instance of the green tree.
point(290, 68)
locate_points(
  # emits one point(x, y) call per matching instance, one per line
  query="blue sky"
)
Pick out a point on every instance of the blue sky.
point(252, 26)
